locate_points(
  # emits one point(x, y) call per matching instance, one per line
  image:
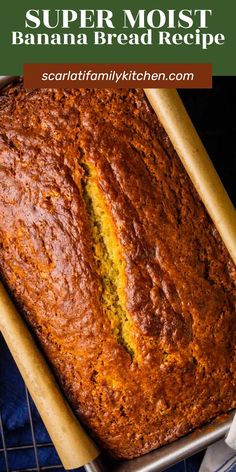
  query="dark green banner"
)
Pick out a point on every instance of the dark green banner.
point(87, 31)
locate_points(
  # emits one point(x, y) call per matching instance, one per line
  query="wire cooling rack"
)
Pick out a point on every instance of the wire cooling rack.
point(31, 449)
point(34, 448)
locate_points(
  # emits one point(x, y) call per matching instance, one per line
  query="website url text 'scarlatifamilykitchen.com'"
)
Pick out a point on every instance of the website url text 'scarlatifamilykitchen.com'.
point(117, 75)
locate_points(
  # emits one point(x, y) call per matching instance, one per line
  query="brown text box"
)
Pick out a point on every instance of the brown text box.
point(118, 75)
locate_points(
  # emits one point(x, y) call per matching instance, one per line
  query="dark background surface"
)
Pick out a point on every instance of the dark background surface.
point(213, 113)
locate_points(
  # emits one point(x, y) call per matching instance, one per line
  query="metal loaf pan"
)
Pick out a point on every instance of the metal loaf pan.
point(161, 459)
point(164, 457)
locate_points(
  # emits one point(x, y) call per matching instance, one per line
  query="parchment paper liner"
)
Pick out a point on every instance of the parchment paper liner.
point(73, 445)
point(174, 118)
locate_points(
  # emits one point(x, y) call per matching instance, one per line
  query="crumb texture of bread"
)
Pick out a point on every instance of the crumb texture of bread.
point(114, 263)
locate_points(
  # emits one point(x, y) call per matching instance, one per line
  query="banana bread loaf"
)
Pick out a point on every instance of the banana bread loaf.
point(113, 261)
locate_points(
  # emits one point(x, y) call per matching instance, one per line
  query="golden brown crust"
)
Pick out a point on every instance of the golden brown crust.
point(162, 360)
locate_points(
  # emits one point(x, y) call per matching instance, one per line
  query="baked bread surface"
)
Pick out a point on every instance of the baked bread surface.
point(114, 263)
